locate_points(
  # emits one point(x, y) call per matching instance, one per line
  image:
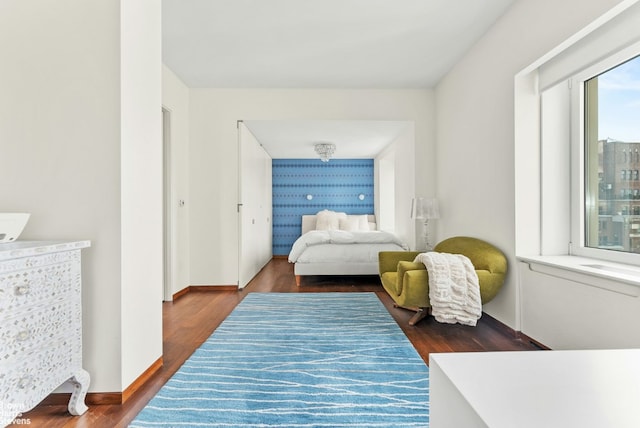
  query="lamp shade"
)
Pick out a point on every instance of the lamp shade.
point(431, 209)
point(425, 209)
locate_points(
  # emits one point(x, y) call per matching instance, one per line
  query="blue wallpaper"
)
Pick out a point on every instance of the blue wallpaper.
point(334, 185)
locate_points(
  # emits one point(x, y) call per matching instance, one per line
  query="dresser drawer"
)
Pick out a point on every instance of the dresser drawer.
point(36, 326)
point(26, 381)
point(30, 286)
point(38, 260)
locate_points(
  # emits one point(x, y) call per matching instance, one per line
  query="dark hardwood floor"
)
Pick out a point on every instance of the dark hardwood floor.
point(189, 320)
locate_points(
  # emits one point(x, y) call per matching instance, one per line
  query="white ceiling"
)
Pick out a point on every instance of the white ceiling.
point(294, 139)
point(320, 43)
point(335, 44)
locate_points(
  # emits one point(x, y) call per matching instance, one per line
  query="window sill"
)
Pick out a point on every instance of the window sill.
point(615, 277)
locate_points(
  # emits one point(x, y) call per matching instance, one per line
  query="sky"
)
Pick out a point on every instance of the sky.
point(619, 102)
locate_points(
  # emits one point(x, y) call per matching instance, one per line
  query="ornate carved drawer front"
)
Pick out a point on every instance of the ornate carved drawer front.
point(43, 370)
point(32, 280)
point(40, 325)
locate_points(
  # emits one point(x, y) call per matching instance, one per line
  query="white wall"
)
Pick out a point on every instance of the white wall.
point(571, 310)
point(175, 98)
point(385, 183)
point(393, 199)
point(141, 186)
point(213, 154)
point(475, 127)
point(60, 143)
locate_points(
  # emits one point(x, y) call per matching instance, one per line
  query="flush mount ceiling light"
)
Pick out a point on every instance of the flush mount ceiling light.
point(325, 151)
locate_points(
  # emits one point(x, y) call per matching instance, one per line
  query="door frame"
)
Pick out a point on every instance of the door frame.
point(167, 218)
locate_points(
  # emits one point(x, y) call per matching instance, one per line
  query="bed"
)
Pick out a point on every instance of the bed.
point(347, 247)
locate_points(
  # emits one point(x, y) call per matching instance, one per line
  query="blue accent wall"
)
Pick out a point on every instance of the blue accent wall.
point(334, 185)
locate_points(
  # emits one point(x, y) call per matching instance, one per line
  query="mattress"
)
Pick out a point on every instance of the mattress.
point(341, 253)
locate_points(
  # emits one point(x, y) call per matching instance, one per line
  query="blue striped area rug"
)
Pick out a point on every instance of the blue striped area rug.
point(298, 360)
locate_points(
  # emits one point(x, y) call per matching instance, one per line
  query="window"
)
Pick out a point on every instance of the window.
point(561, 187)
point(609, 106)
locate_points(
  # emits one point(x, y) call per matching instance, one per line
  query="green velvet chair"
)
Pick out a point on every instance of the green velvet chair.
point(408, 283)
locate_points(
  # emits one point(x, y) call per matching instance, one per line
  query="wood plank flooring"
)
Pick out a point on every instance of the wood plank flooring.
point(191, 319)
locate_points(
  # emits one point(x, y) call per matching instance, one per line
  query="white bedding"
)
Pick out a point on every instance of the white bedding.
point(343, 251)
point(327, 246)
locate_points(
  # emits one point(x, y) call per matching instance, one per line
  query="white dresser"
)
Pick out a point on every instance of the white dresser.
point(40, 325)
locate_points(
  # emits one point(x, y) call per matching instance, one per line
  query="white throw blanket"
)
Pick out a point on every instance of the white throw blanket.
point(454, 290)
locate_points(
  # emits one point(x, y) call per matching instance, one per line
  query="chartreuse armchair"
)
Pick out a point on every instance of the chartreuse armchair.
point(408, 283)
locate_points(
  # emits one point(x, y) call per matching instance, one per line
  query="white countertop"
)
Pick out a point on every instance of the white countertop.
point(586, 388)
point(12, 250)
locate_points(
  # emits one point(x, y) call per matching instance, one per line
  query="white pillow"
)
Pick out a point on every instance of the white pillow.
point(329, 220)
point(349, 224)
point(354, 223)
